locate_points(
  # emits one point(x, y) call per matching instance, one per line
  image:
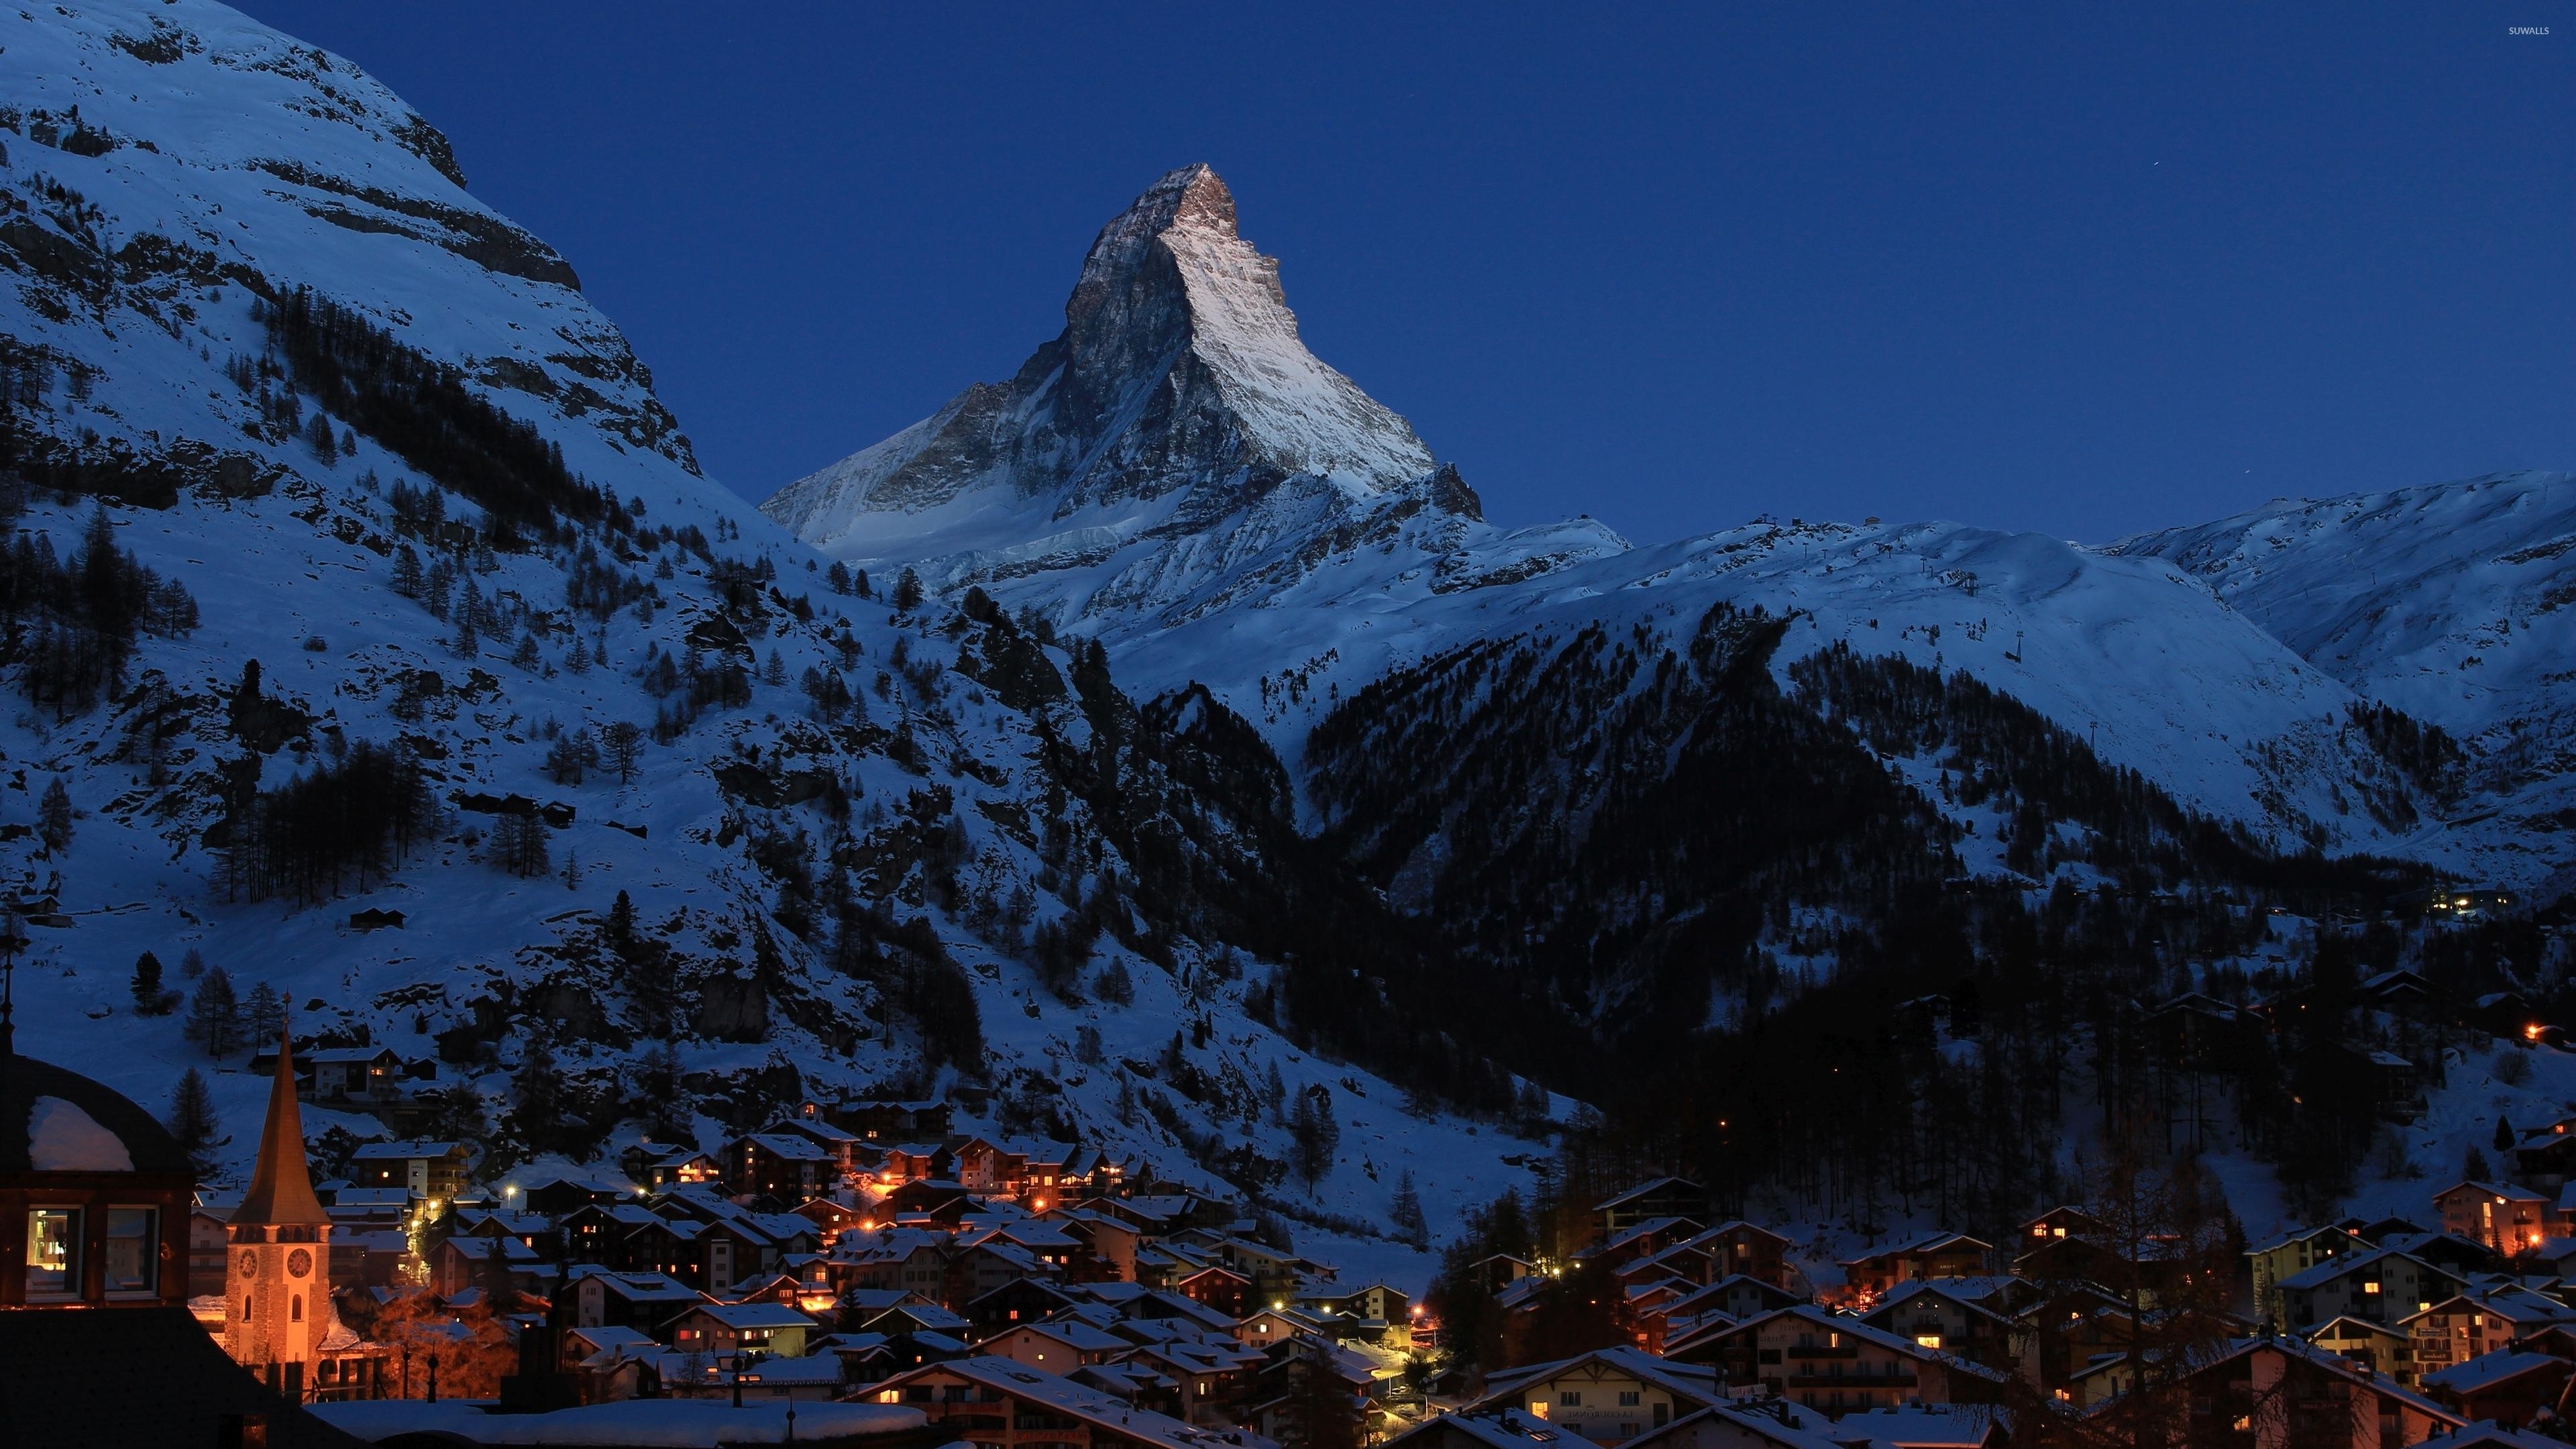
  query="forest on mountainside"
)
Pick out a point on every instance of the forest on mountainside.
point(1739, 916)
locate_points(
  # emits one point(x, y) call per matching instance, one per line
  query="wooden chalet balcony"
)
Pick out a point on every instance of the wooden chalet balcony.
point(1903, 1380)
point(1819, 1350)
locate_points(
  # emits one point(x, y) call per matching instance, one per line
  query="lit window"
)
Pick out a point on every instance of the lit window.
point(1928, 1340)
point(2370, 1287)
point(53, 1251)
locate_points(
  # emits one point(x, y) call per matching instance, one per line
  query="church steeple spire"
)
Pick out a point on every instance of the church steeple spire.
point(281, 1185)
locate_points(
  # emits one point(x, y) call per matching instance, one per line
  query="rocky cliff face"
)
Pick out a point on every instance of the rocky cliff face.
point(1177, 448)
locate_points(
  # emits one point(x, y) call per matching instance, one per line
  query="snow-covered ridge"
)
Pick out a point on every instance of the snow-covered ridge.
point(1154, 456)
point(165, 169)
point(1283, 601)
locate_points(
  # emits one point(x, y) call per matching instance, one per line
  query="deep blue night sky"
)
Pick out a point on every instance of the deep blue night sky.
point(2039, 267)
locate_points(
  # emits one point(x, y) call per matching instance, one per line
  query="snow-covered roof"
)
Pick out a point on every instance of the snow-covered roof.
point(2489, 1369)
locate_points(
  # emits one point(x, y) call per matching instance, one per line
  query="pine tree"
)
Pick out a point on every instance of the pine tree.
point(666, 1113)
point(621, 921)
point(2473, 1166)
point(907, 592)
point(193, 1121)
point(54, 817)
point(319, 437)
point(149, 998)
point(2504, 1136)
point(775, 671)
point(1274, 1090)
point(838, 577)
point(623, 743)
point(537, 1093)
point(1406, 1214)
point(519, 846)
point(192, 965)
point(265, 1016)
point(214, 1016)
point(1315, 1132)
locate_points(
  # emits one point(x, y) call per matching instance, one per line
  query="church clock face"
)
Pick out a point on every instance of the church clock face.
point(299, 1263)
point(250, 1265)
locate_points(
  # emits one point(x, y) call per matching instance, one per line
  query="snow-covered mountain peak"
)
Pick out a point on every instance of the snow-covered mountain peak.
point(1176, 444)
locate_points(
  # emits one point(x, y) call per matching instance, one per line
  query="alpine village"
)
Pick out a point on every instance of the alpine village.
point(1129, 915)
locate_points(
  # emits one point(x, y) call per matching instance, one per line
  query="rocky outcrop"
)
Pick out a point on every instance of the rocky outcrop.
point(1178, 428)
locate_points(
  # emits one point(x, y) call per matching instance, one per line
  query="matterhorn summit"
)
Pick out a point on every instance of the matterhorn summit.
point(1177, 447)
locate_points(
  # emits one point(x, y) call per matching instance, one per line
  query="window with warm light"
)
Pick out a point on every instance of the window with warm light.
point(1928, 1340)
point(53, 1252)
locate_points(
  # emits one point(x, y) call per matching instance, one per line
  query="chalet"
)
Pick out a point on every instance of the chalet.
point(1932, 1318)
point(2500, 1216)
point(729, 1328)
point(1023, 1300)
point(872, 1121)
point(557, 1196)
point(1734, 1424)
point(1933, 1255)
point(464, 1262)
point(1926, 1426)
point(929, 1197)
point(788, 1165)
point(2398, 1085)
point(1835, 1363)
point(2288, 1256)
point(1737, 1296)
point(2547, 1158)
point(994, 1403)
point(660, 1165)
point(2059, 1222)
point(1372, 1302)
point(1608, 1395)
point(2272, 1393)
point(2375, 1346)
point(1209, 1381)
point(1104, 1247)
point(2063, 1333)
point(1058, 1346)
point(1486, 1429)
point(2447, 1251)
point(842, 1145)
point(1220, 1288)
point(2384, 1285)
point(2472, 1325)
point(868, 1358)
point(1664, 1197)
point(919, 1318)
point(668, 1246)
point(1736, 1246)
point(434, 1170)
point(1501, 1270)
point(1642, 1240)
point(601, 1233)
point(2506, 1386)
point(355, 1076)
point(2400, 991)
point(602, 1299)
point(979, 1269)
point(2376, 1231)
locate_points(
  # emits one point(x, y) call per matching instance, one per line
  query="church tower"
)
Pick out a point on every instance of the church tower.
point(279, 1281)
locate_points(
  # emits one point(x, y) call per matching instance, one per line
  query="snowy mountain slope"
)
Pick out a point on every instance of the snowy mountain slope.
point(835, 843)
point(2449, 602)
point(1175, 450)
point(1285, 600)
